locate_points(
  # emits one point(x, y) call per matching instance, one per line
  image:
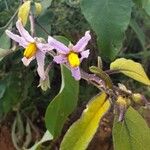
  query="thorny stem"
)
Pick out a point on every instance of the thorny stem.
point(93, 79)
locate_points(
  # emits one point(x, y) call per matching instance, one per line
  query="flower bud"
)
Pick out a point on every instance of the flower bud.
point(138, 98)
point(121, 101)
point(44, 84)
point(121, 107)
point(38, 8)
point(23, 12)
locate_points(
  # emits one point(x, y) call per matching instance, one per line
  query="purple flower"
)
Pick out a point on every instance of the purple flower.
point(71, 55)
point(33, 48)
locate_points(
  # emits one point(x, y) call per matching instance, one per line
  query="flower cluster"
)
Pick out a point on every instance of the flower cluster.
point(71, 56)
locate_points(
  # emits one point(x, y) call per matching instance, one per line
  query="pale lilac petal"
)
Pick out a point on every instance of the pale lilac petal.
point(26, 61)
point(60, 59)
point(17, 38)
point(76, 73)
point(44, 47)
point(84, 54)
point(60, 47)
point(40, 57)
point(23, 32)
point(81, 44)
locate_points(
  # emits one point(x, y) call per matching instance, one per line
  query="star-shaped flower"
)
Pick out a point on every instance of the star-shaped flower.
point(71, 55)
point(33, 48)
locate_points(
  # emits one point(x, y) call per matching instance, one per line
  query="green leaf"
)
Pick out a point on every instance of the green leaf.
point(2, 89)
point(44, 21)
point(82, 131)
point(46, 137)
point(130, 68)
point(16, 90)
point(140, 3)
point(145, 4)
point(63, 104)
point(140, 34)
point(147, 7)
point(4, 41)
point(43, 27)
point(62, 39)
point(109, 19)
point(12, 93)
point(4, 44)
point(131, 134)
point(45, 4)
point(4, 52)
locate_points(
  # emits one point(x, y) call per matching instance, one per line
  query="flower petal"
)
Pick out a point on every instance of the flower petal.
point(44, 47)
point(76, 73)
point(17, 38)
point(81, 44)
point(84, 54)
point(40, 57)
point(60, 47)
point(60, 59)
point(23, 32)
point(26, 61)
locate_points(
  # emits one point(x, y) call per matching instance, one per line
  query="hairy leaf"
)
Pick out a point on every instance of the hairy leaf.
point(131, 134)
point(130, 68)
point(109, 19)
point(81, 132)
point(63, 104)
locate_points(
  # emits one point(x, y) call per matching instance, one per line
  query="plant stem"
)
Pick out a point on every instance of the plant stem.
point(109, 72)
point(32, 23)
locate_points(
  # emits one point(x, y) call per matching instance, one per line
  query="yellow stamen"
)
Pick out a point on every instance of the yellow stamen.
point(30, 50)
point(73, 59)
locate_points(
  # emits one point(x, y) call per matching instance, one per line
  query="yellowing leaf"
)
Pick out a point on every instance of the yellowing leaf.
point(131, 69)
point(24, 12)
point(81, 132)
